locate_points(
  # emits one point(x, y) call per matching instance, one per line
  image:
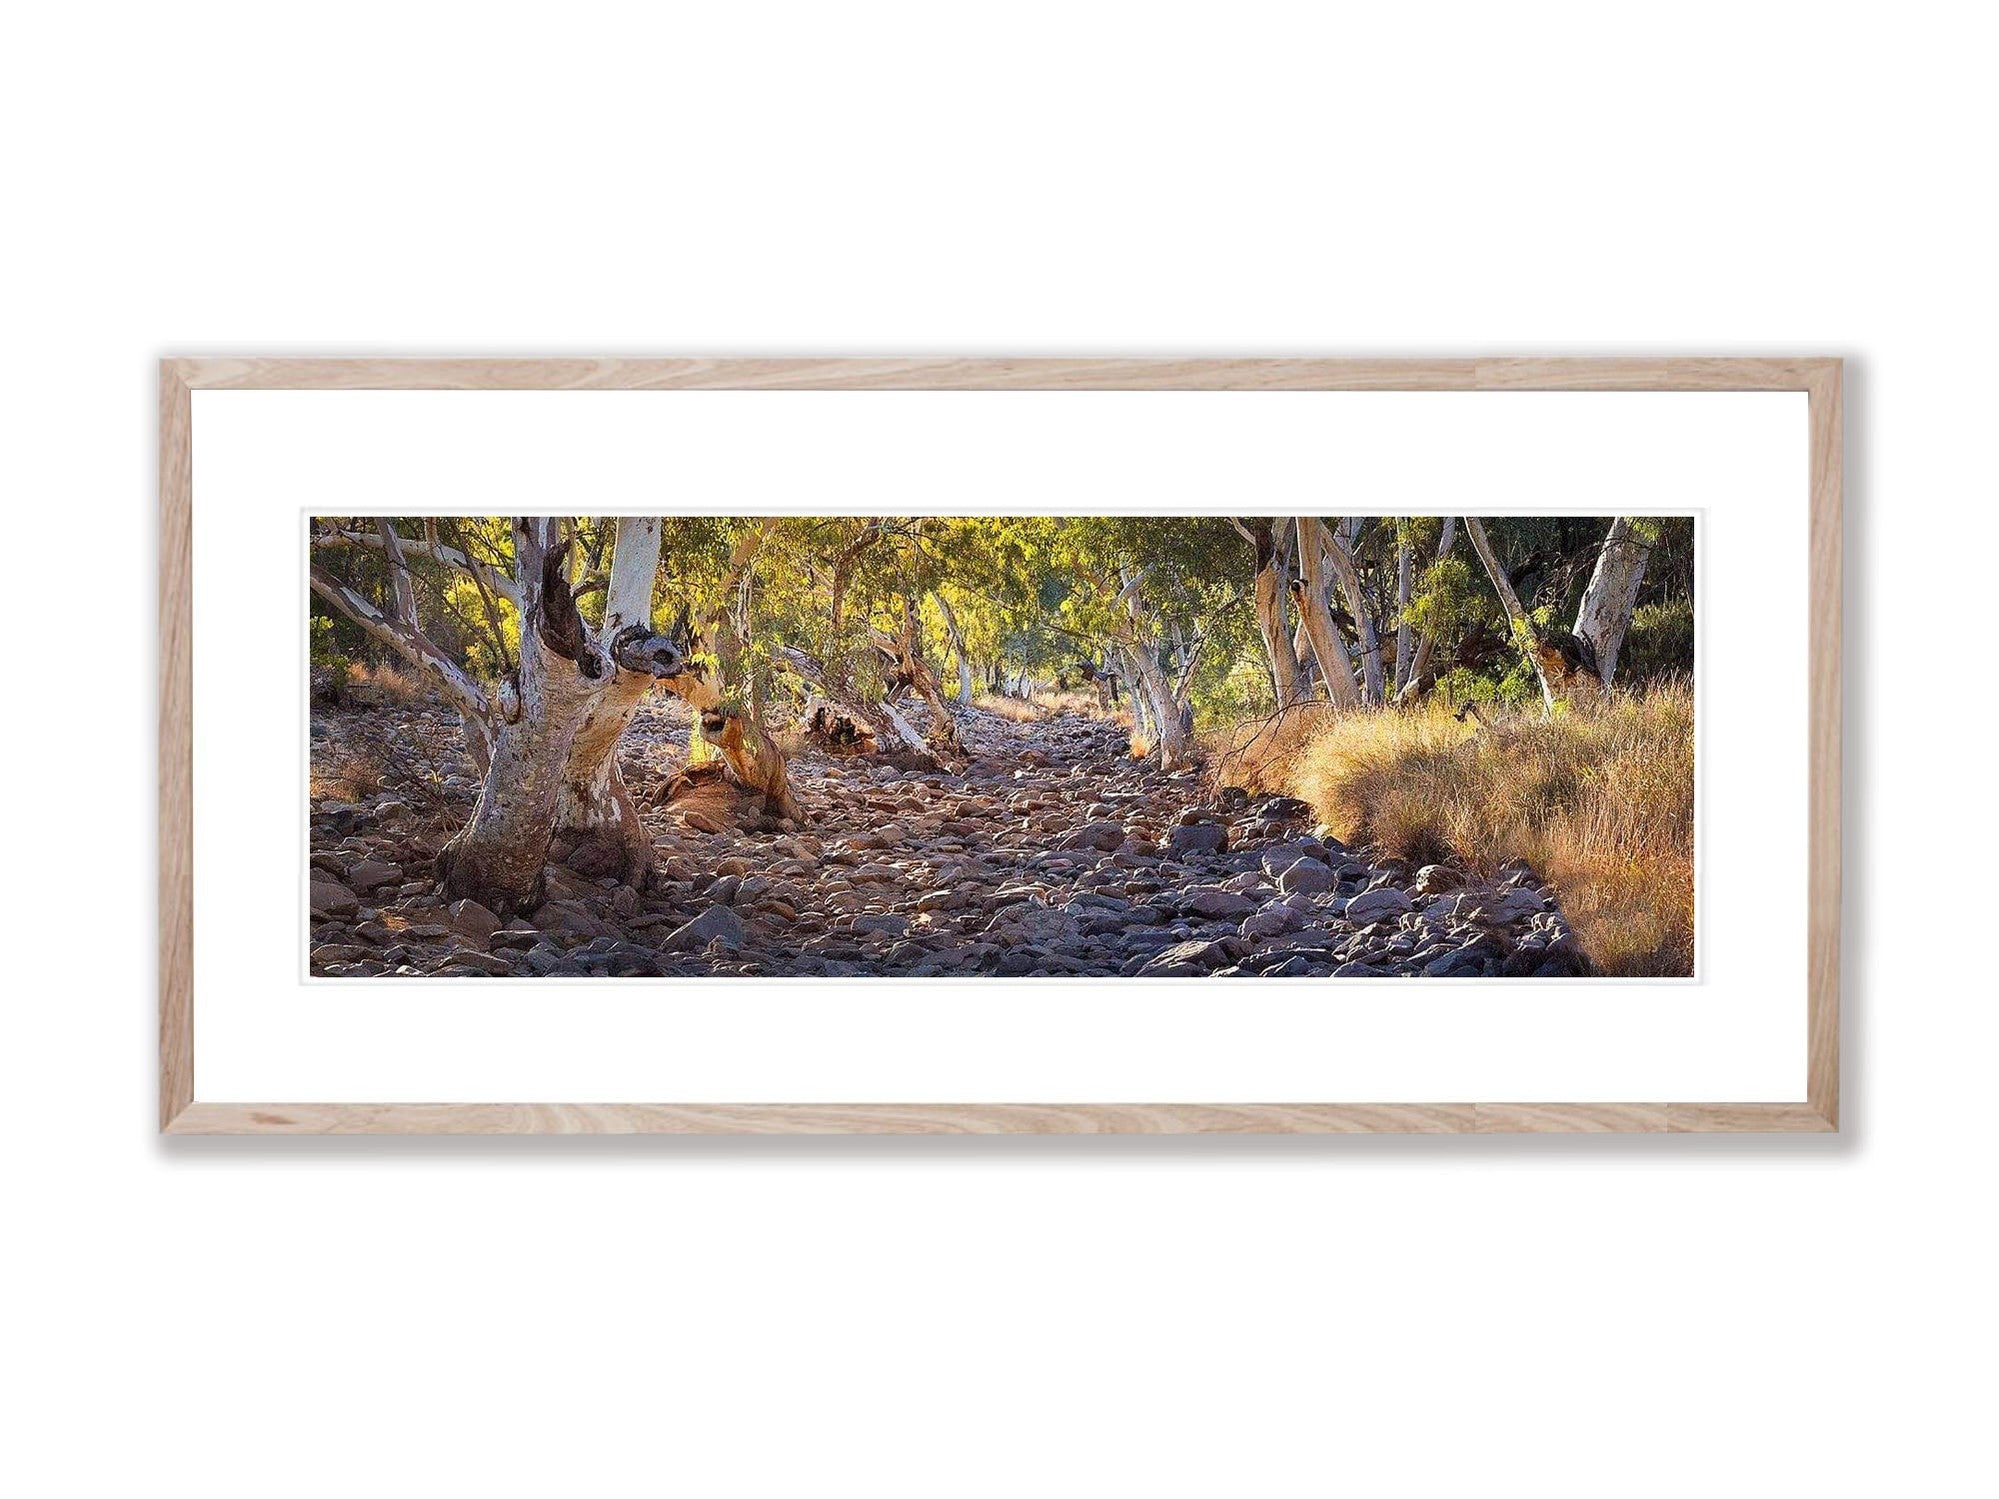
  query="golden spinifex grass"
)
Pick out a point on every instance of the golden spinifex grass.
point(1599, 801)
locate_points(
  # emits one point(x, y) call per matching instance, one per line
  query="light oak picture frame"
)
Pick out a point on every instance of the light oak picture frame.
point(182, 1113)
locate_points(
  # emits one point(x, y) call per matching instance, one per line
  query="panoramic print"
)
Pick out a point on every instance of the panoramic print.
point(1349, 747)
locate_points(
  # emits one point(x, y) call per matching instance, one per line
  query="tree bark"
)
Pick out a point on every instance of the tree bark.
point(1521, 626)
point(1170, 736)
point(498, 859)
point(957, 638)
point(907, 651)
point(1605, 613)
point(1403, 592)
point(1271, 541)
point(548, 735)
point(594, 804)
point(1335, 666)
point(1339, 551)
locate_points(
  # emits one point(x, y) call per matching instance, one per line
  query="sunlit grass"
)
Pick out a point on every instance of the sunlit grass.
point(1599, 801)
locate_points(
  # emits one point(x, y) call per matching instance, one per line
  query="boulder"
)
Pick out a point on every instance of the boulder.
point(473, 921)
point(1305, 877)
point(331, 898)
point(1274, 920)
point(1102, 836)
point(885, 924)
point(1184, 959)
point(1219, 905)
point(369, 873)
point(1435, 879)
point(1377, 905)
point(715, 924)
point(1198, 838)
point(1517, 904)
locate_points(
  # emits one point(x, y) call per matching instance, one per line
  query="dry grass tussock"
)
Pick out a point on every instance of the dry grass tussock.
point(384, 683)
point(1600, 802)
point(1041, 705)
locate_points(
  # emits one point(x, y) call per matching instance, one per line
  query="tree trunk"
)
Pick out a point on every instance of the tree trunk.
point(554, 762)
point(1271, 540)
point(1607, 603)
point(498, 858)
point(875, 726)
point(1403, 593)
point(957, 638)
point(594, 804)
point(1521, 626)
point(1335, 666)
point(1339, 551)
point(1169, 723)
point(907, 651)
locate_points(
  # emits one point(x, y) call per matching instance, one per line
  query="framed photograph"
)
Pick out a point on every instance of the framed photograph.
point(990, 745)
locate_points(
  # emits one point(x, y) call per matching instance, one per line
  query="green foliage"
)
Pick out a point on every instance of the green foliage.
point(1040, 596)
point(1659, 643)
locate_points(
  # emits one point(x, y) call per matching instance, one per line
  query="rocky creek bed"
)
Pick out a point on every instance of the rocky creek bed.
point(1050, 852)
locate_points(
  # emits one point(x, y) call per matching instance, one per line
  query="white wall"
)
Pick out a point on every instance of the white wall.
point(947, 1317)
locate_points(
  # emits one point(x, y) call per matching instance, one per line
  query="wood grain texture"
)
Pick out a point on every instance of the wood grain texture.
point(176, 770)
point(1820, 378)
point(991, 1118)
point(1828, 424)
point(1572, 1118)
point(1001, 374)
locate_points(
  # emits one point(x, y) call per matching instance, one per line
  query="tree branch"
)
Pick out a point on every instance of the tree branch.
point(405, 641)
point(431, 548)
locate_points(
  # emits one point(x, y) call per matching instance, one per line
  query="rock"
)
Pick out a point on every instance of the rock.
point(1307, 877)
point(474, 921)
point(886, 924)
point(1220, 905)
point(1517, 904)
point(1103, 836)
point(1377, 905)
point(1198, 838)
point(331, 898)
point(1359, 971)
point(1285, 808)
point(715, 924)
point(1274, 920)
point(1458, 905)
point(478, 962)
point(369, 873)
point(570, 918)
point(1186, 958)
point(1435, 879)
point(1295, 967)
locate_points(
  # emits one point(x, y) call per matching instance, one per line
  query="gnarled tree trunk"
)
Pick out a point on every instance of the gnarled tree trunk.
point(593, 804)
point(554, 758)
